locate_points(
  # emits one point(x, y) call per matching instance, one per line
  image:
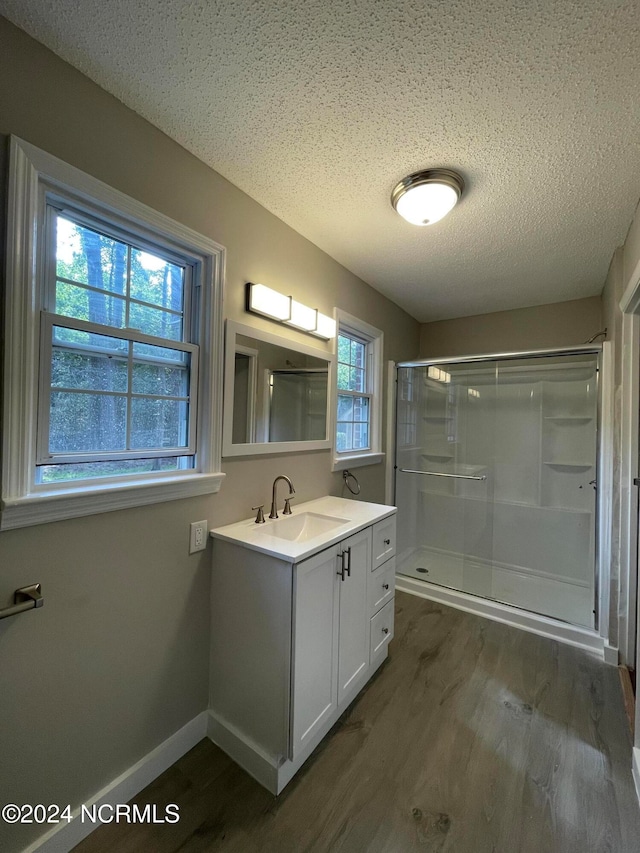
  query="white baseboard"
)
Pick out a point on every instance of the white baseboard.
point(63, 837)
point(244, 752)
point(636, 770)
point(611, 654)
point(272, 772)
point(532, 622)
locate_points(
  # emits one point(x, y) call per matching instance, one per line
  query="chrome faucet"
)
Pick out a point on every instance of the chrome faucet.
point(287, 507)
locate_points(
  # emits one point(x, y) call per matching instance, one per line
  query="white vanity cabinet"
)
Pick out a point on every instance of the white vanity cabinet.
point(331, 634)
point(293, 642)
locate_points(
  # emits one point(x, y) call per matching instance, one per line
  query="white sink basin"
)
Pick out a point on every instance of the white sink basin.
point(302, 527)
point(314, 525)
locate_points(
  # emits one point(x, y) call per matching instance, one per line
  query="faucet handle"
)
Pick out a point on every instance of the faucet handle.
point(287, 506)
point(260, 515)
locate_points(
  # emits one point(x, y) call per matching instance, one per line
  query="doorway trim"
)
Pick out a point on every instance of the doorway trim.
point(630, 425)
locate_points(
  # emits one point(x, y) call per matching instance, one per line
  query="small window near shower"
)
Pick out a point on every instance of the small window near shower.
point(354, 403)
point(358, 384)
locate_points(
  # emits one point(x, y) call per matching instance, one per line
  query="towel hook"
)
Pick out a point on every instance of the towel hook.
point(346, 476)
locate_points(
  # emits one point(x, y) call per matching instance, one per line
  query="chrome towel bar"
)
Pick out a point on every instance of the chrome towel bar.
point(438, 474)
point(25, 598)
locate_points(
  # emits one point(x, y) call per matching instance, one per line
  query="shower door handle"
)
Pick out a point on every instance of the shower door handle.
point(636, 481)
point(439, 474)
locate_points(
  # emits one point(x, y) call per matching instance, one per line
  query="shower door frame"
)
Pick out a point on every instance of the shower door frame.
point(604, 459)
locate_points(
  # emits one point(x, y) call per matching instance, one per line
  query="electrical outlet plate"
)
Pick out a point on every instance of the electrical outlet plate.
point(198, 536)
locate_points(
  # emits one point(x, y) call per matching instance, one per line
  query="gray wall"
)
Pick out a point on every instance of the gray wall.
point(116, 661)
point(540, 327)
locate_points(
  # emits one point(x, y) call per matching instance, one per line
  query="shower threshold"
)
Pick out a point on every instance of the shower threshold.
point(541, 594)
point(544, 626)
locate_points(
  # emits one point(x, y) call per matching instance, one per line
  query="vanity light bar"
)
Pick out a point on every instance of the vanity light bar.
point(276, 306)
point(438, 374)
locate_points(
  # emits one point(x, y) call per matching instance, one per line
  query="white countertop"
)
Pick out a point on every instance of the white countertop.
point(357, 515)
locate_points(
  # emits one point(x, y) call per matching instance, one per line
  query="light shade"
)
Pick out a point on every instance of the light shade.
point(303, 317)
point(326, 327)
point(263, 300)
point(426, 197)
point(285, 309)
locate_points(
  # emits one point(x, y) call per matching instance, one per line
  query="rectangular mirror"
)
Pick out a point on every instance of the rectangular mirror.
point(276, 394)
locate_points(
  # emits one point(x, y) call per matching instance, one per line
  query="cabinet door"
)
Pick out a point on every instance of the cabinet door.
point(315, 646)
point(353, 658)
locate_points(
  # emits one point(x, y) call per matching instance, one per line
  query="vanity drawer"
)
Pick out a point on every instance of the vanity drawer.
point(384, 540)
point(381, 632)
point(381, 585)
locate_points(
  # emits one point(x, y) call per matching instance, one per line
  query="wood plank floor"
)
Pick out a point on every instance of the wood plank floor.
point(473, 738)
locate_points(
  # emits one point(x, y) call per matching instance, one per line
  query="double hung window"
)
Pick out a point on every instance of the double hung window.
point(358, 388)
point(120, 396)
point(353, 431)
point(113, 345)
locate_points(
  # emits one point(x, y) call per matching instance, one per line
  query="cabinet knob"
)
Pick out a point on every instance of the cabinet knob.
point(387, 541)
point(385, 630)
point(385, 586)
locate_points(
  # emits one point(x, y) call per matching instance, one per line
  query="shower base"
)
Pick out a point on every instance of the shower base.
point(549, 595)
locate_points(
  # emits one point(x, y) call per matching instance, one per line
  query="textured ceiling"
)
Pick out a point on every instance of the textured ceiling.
point(316, 108)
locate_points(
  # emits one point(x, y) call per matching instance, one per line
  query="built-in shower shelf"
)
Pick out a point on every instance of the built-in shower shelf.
point(569, 419)
point(437, 418)
point(568, 464)
point(438, 457)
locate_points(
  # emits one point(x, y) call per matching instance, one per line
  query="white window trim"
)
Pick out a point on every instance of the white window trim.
point(375, 348)
point(32, 172)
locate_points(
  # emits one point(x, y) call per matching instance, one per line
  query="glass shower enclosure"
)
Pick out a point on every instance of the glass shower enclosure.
point(496, 461)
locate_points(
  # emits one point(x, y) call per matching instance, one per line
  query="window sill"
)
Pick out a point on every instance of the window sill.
point(340, 463)
point(44, 507)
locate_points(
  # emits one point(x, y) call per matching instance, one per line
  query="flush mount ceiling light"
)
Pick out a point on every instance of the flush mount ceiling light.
point(426, 197)
point(269, 303)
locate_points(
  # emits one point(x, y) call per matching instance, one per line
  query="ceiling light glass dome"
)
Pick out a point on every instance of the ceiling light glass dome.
point(426, 197)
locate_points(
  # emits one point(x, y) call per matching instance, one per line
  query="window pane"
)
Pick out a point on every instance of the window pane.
point(163, 381)
point(87, 256)
point(155, 280)
point(82, 422)
point(153, 321)
point(343, 377)
point(360, 436)
point(162, 355)
point(159, 370)
point(90, 340)
point(356, 380)
point(83, 304)
point(71, 369)
point(357, 353)
point(361, 409)
point(345, 408)
point(344, 437)
point(156, 424)
point(344, 349)
point(83, 470)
